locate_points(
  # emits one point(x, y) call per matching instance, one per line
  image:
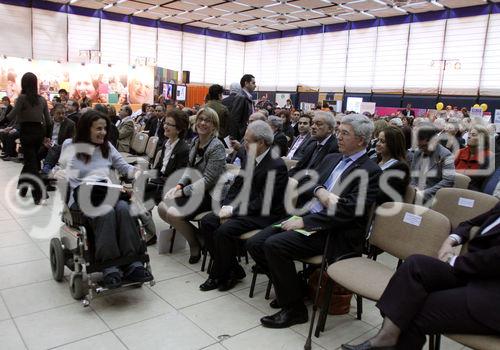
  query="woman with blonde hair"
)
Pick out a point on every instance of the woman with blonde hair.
point(207, 157)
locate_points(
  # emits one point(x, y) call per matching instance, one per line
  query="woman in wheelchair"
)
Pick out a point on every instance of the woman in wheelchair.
point(115, 230)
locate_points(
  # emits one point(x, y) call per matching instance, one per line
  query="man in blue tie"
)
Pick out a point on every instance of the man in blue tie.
point(337, 205)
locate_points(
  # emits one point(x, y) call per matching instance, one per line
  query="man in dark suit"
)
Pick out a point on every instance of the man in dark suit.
point(236, 218)
point(242, 108)
point(280, 140)
point(348, 186)
point(301, 140)
point(451, 294)
point(234, 89)
point(5, 109)
point(154, 125)
point(323, 142)
point(72, 113)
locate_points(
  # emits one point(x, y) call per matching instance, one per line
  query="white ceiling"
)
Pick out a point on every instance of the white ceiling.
point(260, 16)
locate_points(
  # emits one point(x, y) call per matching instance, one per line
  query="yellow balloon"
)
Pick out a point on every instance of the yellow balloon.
point(476, 105)
point(439, 106)
point(484, 107)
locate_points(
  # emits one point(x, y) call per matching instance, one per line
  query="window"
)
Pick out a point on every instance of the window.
point(269, 65)
point(235, 61)
point(142, 44)
point(252, 61)
point(83, 34)
point(193, 56)
point(114, 42)
point(310, 59)
point(169, 49)
point(390, 60)
point(287, 63)
point(17, 29)
point(50, 35)
point(490, 76)
point(333, 61)
point(215, 61)
point(360, 59)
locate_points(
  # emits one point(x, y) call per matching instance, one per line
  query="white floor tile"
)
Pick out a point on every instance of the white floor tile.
point(184, 291)
point(258, 299)
point(215, 347)
point(20, 253)
point(105, 341)
point(129, 306)
point(12, 238)
point(9, 336)
point(10, 225)
point(226, 315)
point(25, 273)
point(165, 267)
point(4, 313)
point(37, 297)
point(171, 331)
point(51, 328)
point(267, 339)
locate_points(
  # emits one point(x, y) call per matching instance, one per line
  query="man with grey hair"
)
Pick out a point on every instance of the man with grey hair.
point(280, 140)
point(243, 207)
point(322, 142)
point(239, 152)
point(347, 187)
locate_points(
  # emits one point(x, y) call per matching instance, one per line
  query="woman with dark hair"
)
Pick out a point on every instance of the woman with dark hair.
point(35, 125)
point(391, 156)
point(89, 157)
point(173, 157)
point(284, 114)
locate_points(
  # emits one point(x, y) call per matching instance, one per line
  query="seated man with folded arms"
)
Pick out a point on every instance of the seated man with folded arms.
point(222, 231)
point(432, 166)
point(445, 295)
point(349, 185)
point(325, 142)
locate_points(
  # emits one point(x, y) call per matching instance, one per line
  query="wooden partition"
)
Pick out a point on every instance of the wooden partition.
point(196, 94)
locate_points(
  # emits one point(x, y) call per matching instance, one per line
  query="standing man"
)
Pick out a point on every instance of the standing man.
point(125, 129)
point(234, 89)
point(214, 101)
point(242, 108)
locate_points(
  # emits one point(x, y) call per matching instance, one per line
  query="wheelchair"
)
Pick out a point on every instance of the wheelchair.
point(74, 248)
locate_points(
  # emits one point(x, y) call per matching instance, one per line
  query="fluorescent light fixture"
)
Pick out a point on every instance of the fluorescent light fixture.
point(107, 6)
point(380, 2)
point(73, 1)
point(368, 14)
point(399, 9)
point(437, 3)
point(137, 12)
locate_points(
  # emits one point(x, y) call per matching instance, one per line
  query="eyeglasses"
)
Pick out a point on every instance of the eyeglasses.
point(204, 119)
point(168, 124)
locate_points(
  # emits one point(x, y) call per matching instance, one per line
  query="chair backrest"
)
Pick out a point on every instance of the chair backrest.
point(137, 127)
point(151, 146)
point(459, 205)
point(410, 195)
point(461, 181)
point(157, 160)
point(403, 229)
point(289, 162)
point(139, 142)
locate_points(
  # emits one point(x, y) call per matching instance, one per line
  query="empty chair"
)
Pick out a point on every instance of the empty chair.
point(459, 205)
point(151, 147)
point(461, 181)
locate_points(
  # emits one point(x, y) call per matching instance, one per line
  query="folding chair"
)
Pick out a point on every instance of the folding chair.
point(151, 147)
point(459, 204)
point(289, 162)
point(461, 181)
point(407, 230)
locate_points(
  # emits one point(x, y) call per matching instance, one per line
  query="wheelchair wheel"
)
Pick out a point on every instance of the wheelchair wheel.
point(77, 286)
point(56, 259)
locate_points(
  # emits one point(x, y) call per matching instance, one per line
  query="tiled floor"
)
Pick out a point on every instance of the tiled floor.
point(38, 313)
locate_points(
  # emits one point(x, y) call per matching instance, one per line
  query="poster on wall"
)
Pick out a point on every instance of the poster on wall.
point(367, 107)
point(354, 104)
point(281, 99)
point(99, 83)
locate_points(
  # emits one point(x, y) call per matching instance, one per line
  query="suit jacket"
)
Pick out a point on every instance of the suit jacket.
point(397, 184)
point(299, 153)
point(242, 108)
point(441, 172)
point(481, 267)
point(281, 141)
point(4, 122)
point(223, 114)
point(151, 126)
point(228, 101)
point(313, 158)
point(66, 131)
point(348, 228)
point(178, 159)
point(258, 188)
point(125, 134)
point(74, 117)
point(211, 166)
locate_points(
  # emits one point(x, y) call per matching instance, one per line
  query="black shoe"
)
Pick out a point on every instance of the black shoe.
point(112, 280)
point(366, 346)
point(286, 317)
point(152, 240)
point(228, 284)
point(258, 269)
point(238, 272)
point(193, 259)
point(274, 304)
point(139, 274)
point(210, 284)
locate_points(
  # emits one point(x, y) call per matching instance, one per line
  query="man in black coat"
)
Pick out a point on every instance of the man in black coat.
point(154, 125)
point(239, 214)
point(242, 108)
point(348, 185)
point(72, 113)
point(6, 107)
point(322, 142)
point(451, 294)
point(234, 89)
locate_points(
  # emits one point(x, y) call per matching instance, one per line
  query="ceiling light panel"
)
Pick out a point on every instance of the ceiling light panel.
point(211, 12)
point(237, 17)
point(365, 5)
point(135, 5)
point(185, 6)
point(282, 8)
point(310, 4)
point(232, 6)
point(307, 14)
point(259, 13)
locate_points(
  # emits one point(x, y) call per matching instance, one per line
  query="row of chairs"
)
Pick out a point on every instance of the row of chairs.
point(142, 146)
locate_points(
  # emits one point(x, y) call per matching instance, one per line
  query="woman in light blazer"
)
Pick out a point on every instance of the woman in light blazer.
point(207, 157)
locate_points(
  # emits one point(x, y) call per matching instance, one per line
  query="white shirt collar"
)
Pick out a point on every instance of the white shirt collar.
point(259, 158)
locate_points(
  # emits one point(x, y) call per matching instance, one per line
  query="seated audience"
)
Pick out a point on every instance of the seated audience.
point(300, 142)
point(287, 125)
point(221, 230)
point(391, 155)
point(432, 166)
point(453, 141)
point(238, 156)
point(333, 209)
point(8, 136)
point(72, 108)
point(234, 90)
point(116, 233)
point(294, 121)
point(173, 157)
point(5, 109)
point(125, 129)
point(324, 142)
point(207, 156)
point(280, 140)
point(379, 125)
point(155, 124)
point(475, 156)
point(449, 294)
point(214, 101)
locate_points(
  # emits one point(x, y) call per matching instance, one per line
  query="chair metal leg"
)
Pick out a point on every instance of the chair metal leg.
point(359, 306)
point(268, 289)
point(172, 240)
point(252, 286)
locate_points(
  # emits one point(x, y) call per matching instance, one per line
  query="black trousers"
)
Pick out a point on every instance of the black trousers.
point(222, 240)
point(424, 297)
point(9, 143)
point(275, 251)
point(31, 135)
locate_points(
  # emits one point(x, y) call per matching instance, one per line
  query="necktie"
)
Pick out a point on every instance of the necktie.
point(315, 155)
